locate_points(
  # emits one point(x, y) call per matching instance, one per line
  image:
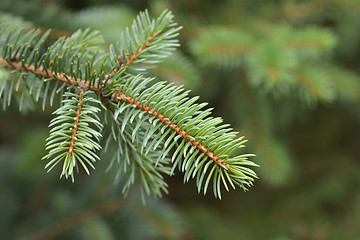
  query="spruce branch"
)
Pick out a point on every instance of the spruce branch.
point(177, 122)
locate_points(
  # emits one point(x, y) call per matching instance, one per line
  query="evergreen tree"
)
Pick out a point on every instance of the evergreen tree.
point(284, 73)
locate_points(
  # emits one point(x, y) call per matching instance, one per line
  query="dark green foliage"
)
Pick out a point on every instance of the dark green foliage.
point(287, 78)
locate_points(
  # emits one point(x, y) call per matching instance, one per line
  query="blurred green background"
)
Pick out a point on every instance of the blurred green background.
point(286, 74)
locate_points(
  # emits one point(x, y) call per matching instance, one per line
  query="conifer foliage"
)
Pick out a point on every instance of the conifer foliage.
point(107, 100)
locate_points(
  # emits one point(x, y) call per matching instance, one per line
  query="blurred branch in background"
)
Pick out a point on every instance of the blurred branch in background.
point(286, 73)
point(91, 218)
point(75, 220)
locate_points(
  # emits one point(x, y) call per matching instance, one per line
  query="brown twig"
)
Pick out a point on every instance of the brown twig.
point(76, 124)
point(127, 99)
point(116, 97)
point(124, 61)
